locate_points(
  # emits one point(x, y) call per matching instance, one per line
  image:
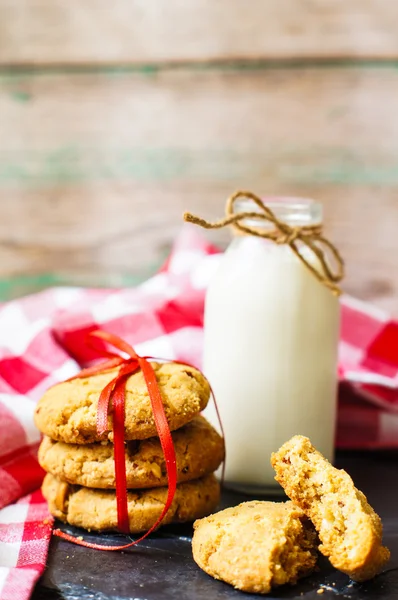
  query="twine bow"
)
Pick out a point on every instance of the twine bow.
point(282, 233)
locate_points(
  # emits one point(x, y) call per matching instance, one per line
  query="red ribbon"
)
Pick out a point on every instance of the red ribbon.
point(114, 392)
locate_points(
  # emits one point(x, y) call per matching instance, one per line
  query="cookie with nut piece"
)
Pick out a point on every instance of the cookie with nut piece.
point(199, 450)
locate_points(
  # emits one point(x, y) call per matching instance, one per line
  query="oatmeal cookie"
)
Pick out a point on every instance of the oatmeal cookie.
point(96, 509)
point(199, 450)
point(348, 527)
point(67, 412)
point(256, 545)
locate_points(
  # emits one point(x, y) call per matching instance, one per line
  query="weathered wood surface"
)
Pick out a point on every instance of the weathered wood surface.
point(146, 31)
point(97, 168)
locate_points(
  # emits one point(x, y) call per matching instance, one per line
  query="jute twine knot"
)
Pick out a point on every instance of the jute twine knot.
point(282, 233)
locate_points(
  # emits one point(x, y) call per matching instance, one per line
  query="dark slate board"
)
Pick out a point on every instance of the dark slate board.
point(161, 568)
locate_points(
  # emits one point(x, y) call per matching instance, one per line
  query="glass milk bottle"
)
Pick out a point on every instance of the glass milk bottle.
point(270, 347)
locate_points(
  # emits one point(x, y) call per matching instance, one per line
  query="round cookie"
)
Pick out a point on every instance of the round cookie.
point(199, 450)
point(256, 545)
point(67, 412)
point(96, 509)
point(348, 527)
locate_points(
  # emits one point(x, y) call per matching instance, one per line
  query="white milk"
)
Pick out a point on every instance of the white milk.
point(270, 354)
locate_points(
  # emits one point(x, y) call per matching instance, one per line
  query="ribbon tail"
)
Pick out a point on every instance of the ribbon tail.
point(187, 364)
point(119, 454)
point(164, 434)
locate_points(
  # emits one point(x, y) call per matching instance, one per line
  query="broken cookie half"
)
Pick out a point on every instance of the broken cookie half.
point(349, 529)
point(256, 546)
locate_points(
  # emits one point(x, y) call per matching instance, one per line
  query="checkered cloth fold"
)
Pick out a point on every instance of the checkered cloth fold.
point(42, 341)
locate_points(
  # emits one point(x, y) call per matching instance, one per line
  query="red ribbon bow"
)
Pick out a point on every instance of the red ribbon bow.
point(115, 391)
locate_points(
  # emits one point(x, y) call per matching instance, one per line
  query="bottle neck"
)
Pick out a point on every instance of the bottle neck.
point(295, 212)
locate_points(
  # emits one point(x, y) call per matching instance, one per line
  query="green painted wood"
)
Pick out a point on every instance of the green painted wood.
point(17, 286)
point(150, 69)
point(214, 124)
point(302, 165)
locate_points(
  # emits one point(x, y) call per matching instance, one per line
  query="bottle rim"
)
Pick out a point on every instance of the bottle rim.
point(294, 211)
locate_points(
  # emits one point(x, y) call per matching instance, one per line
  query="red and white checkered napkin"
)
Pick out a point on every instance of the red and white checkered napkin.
point(368, 370)
point(42, 338)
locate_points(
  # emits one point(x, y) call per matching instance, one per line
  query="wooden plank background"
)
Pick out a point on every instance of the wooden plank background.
point(147, 31)
point(115, 118)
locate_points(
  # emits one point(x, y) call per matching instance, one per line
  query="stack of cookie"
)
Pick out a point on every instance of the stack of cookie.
point(80, 482)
